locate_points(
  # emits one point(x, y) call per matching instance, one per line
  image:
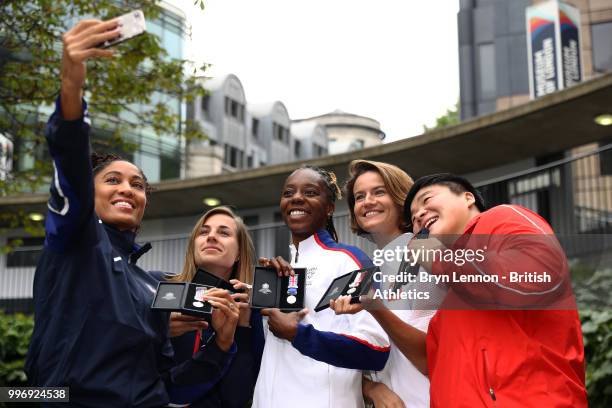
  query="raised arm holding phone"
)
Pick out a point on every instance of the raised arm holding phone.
point(94, 330)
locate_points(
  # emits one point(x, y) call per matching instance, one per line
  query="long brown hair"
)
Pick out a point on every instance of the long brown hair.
point(397, 184)
point(243, 268)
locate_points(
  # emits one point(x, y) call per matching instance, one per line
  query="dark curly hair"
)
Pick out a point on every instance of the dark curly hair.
point(100, 161)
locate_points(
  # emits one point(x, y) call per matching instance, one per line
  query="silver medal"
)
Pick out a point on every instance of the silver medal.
point(198, 304)
point(351, 290)
point(291, 299)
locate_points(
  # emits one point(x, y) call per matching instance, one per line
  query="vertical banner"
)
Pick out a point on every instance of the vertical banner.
point(553, 46)
point(569, 26)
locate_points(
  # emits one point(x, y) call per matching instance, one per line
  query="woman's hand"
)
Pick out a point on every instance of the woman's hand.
point(225, 316)
point(381, 395)
point(181, 324)
point(343, 305)
point(79, 45)
point(284, 325)
point(283, 268)
point(242, 300)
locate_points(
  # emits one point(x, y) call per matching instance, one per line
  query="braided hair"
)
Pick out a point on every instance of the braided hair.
point(333, 192)
point(100, 161)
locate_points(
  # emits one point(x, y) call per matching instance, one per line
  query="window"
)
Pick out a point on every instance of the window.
point(602, 46)
point(170, 167)
point(255, 128)
point(280, 133)
point(205, 102)
point(486, 70)
point(318, 150)
point(605, 160)
point(228, 106)
point(233, 156)
point(234, 109)
point(297, 148)
point(250, 161)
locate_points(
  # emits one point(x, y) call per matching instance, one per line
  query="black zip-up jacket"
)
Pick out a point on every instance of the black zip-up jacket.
point(94, 330)
point(235, 389)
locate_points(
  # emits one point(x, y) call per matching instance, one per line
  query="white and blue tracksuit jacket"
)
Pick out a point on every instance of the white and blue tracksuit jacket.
point(322, 366)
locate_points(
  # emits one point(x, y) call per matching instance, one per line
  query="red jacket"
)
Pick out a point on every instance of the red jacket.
point(508, 358)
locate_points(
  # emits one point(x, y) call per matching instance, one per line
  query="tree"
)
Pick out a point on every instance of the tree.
point(142, 73)
point(451, 117)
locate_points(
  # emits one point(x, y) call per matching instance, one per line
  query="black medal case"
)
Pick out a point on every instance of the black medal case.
point(203, 277)
point(183, 297)
point(348, 284)
point(271, 290)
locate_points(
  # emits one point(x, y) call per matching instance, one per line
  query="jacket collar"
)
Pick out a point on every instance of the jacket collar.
point(321, 235)
point(124, 242)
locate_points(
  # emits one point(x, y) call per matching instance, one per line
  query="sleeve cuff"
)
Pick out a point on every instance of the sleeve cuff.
point(300, 336)
point(212, 353)
point(58, 110)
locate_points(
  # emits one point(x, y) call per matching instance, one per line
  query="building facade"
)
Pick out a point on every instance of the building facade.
point(243, 135)
point(347, 131)
point(493, 57)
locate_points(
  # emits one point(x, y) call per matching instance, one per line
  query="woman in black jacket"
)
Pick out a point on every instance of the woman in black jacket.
point(94, 329)
point(220, 244)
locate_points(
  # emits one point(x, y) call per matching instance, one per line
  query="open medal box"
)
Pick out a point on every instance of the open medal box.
point(183, 297)
point(354, 283)
point(283, 292)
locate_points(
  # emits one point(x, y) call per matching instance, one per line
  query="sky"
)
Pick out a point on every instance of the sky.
point(395, 61)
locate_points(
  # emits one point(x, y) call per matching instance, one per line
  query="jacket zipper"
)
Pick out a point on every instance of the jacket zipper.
point(487, 377)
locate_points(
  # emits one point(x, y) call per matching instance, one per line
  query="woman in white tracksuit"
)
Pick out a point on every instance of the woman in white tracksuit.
point(314, 359)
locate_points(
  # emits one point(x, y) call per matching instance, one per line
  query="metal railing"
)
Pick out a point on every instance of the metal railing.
point(574, 195)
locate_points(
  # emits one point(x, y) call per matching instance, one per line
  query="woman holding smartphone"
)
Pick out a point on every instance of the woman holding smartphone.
point(221, 245)
point(375, 193)
point(314, 359)
point(94, 329)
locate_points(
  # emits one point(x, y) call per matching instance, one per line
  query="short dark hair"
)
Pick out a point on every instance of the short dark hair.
point(100, 161)
point(456, 184)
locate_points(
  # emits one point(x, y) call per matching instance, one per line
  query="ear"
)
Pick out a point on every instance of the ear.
point(469, 198)
point(330, 208)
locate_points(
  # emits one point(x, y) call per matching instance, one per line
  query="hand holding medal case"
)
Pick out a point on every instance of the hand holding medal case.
point(183, 297)
point(354, 283)
point(283, 292)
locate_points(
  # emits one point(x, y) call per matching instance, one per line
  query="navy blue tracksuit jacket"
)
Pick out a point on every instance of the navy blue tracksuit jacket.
point(94, 329)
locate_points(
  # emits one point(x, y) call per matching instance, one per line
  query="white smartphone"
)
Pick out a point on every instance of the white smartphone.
point(131, 25)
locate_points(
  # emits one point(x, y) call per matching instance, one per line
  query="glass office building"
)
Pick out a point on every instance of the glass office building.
point(159, 155)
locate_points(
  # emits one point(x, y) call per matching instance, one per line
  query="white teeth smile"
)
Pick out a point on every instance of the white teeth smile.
point(370, 213)
point(123, 204)
point(430, 222)
point(297, 212)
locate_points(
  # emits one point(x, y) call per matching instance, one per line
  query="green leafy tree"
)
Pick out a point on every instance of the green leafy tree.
point(451, 117)
point(125, 93)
